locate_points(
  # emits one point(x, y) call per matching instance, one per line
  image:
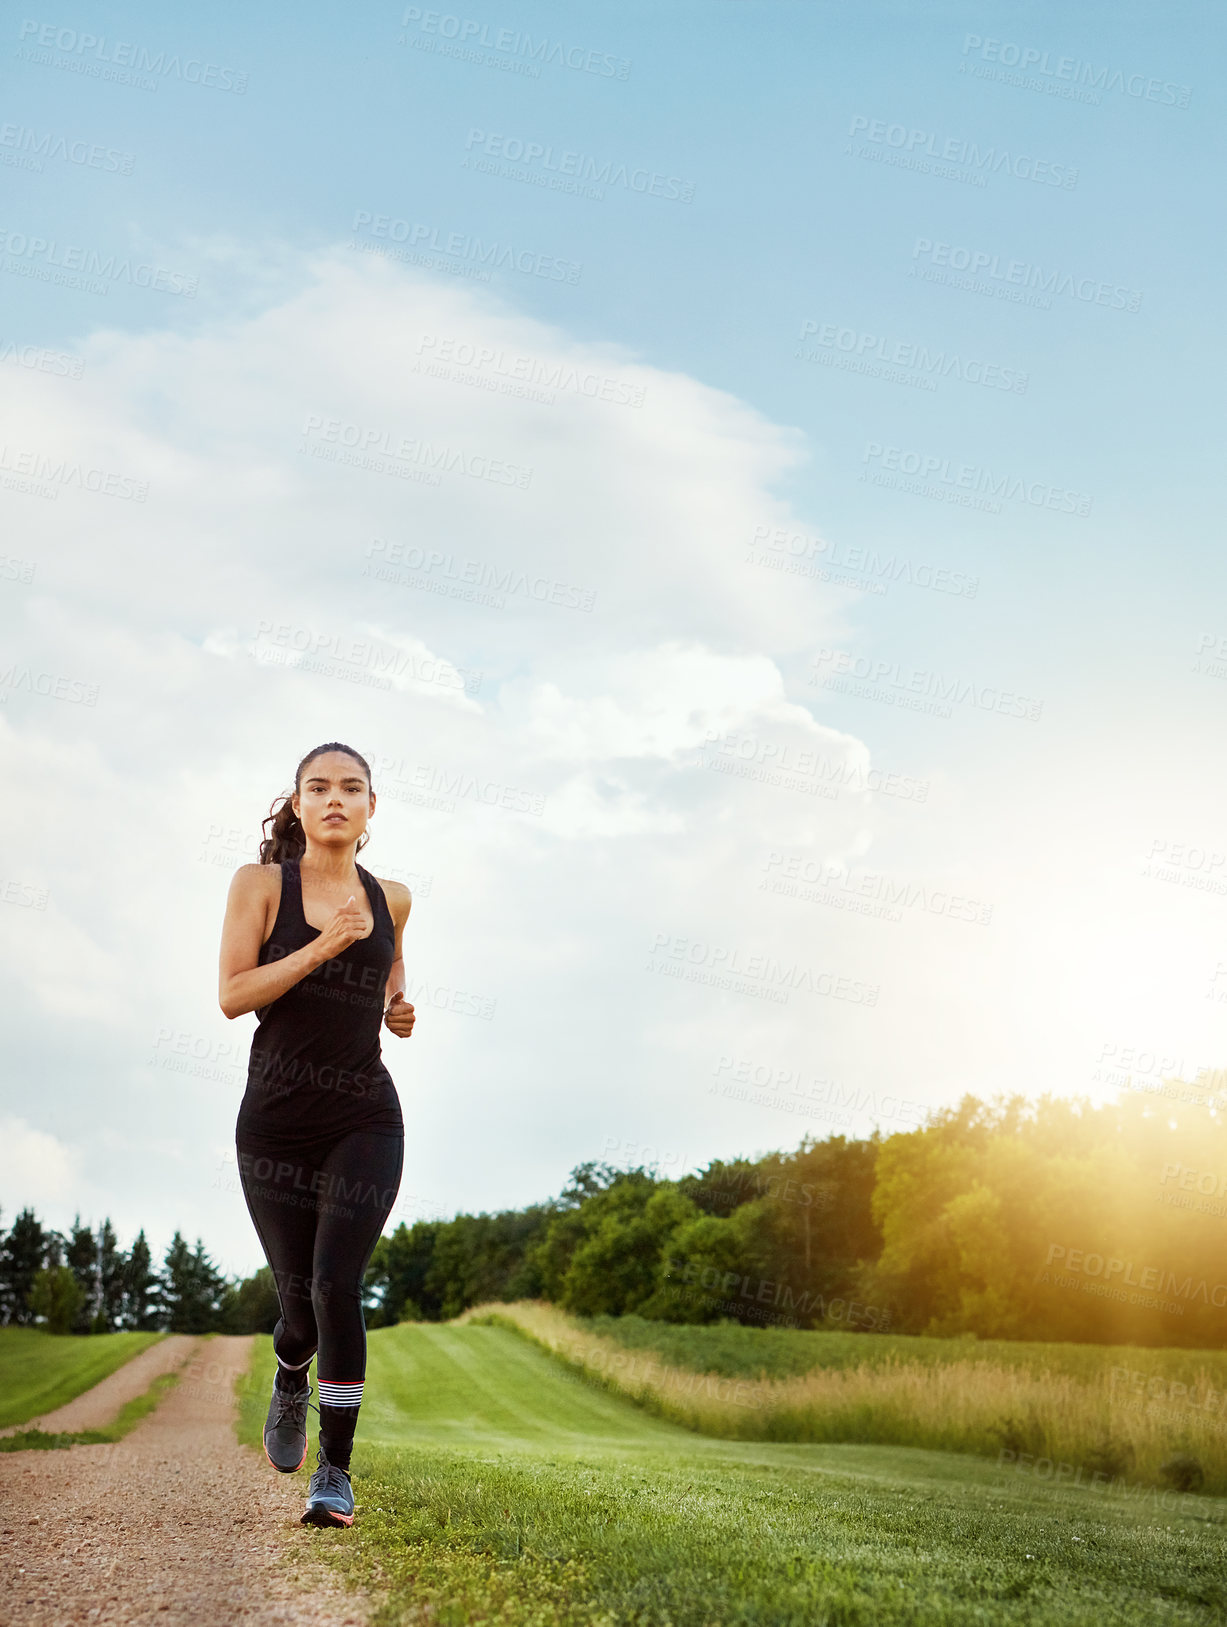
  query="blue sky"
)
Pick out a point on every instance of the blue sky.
point(1003, 501)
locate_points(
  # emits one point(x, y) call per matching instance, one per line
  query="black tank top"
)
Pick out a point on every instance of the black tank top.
point(316, 1071)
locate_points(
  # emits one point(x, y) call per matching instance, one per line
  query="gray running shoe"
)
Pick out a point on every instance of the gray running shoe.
point(330, 1497)
point(285, 1428)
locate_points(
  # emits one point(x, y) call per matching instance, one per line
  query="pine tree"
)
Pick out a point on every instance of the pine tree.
point(195, 1293)
point(110, 1280)
point(22, 1256)
point(140, 1300)
point(82, 1258)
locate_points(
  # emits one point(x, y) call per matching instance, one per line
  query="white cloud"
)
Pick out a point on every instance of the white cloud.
point(558, 771)
point(35, 1168)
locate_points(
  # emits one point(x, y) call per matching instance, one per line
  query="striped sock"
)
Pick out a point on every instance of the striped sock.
point(339, 1403)
point(340, 1393)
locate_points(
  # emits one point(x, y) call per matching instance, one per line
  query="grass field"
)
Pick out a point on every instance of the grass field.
point(44, 1370)
point(497, 1485)
point(1158, 1417)
point(746, 1352)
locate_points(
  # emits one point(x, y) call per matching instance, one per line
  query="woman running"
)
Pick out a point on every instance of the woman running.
point(312, 944)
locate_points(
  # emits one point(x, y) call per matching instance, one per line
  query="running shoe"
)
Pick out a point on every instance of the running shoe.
point(330, 1497)
point(285, 1428)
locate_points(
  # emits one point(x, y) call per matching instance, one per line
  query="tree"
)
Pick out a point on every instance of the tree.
point(255, 1307)
point(194, 1293)
point(55, 1298)
point(615, 1267)
point(81, 1254)
point(110, 1285)
point(22, 1256)
point(140, 1307)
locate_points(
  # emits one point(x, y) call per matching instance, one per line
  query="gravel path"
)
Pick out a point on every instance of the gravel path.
point(97, 1407)
point(177, 1524)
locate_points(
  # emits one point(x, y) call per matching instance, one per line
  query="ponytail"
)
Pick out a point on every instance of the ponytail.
point(288, 839)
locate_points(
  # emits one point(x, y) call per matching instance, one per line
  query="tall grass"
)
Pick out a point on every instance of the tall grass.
point(1093, 1429)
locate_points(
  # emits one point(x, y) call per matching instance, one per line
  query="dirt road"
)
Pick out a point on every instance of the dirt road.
point(176, 1524)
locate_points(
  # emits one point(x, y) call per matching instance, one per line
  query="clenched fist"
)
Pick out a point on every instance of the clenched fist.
point(399, 1015)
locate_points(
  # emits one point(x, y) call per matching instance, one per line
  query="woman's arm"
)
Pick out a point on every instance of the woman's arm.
point(398, 1013)
point(243, 984)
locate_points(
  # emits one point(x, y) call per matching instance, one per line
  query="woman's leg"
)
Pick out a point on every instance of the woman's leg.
point(362, 1175)
point(282, 1209)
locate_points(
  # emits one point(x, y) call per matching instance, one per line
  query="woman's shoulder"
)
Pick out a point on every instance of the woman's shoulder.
point(398, 896)
point(257, 878)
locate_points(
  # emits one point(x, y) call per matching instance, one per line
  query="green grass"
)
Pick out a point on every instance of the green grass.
point(735, 1351)
point(129, 1415)
point(41, 1371)
point(495, 1485)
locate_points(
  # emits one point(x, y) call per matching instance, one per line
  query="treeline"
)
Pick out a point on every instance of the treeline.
point(83, 1282)
point(1048, 1220)
point(776, 1240)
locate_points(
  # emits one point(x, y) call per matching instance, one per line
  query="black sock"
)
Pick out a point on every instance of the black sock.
point(286, 1380)
point(337, 1425)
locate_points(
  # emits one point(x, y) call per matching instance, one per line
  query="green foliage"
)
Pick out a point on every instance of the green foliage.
point(55, 1298)
point(22, 1257)
point(254, 1306)
point(194, 1293)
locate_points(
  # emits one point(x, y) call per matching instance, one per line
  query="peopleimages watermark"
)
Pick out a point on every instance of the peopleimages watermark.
point(915, 689)
point(423, 242)
point(429, 785)
point(1153, 1280)
point(60, 473)
point(903, 360)
point(24, 894)
point(515, 48)
point(841, 1102)
point(1157, 1073)
point(755, 975)
point(1211, 655)
point(121, 61)
point(867, 892)
point(367, 661)
point(780, 763)
point(22, 147)
point(367, 447)
point(16, 570)
point(738, 1291)
point(798, 553)
point(1202, 1190)
point(52, 685)
point(953, 157)
point(1066, 1477)
point(475, 581)
point(529, 376)
point(1017, 279)
point(40, 359)
point(199, 1056)
point(91, 271)
point(563, 170)
point(957, 482)
point(1187, 864)
point(1065, 76)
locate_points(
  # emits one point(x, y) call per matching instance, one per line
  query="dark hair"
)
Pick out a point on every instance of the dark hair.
point(289, 840)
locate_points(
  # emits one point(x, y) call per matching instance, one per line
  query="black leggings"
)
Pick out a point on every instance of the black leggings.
point(318, 1218)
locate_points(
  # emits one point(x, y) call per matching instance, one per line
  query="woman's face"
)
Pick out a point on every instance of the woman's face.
point(334, 800)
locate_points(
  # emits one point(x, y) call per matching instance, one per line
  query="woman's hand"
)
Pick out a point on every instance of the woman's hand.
point(347, 925)
point(399, 1015)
